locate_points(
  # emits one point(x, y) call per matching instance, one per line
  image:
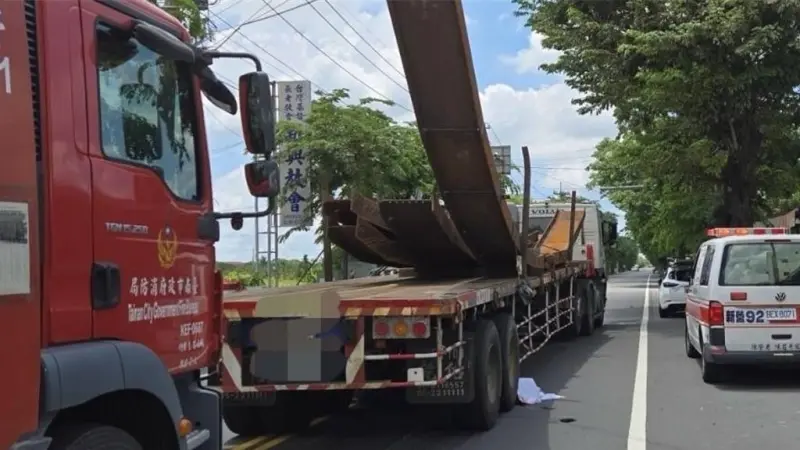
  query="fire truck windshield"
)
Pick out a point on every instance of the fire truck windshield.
point(147, 110)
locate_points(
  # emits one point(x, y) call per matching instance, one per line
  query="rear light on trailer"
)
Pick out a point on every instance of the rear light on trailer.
point(739, 296)
point(715, 313)
point(380, 328)
point(401, 328)
point(419, 329)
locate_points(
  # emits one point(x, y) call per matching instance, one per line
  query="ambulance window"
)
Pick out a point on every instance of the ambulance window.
point(706, 271)
point(761, 264)
point(147, 111)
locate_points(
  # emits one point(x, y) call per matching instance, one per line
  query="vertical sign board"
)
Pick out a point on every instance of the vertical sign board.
point(502, 163)
point(294, 103)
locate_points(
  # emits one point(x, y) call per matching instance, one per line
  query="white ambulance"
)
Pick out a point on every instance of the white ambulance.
point(742, 300)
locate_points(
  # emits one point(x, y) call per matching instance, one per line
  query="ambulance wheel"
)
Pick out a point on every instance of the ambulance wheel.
point(242, 420)
point(93, 437)
point(663, 312)
point(712, 373)
point(587, 319)
point(691, 352)
point(487, 364)
point(509, 342)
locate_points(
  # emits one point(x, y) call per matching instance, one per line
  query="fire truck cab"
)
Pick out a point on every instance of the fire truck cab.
point(110, 306)
point(743, 299)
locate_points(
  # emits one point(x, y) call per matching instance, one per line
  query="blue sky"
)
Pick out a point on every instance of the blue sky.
point(525, 107)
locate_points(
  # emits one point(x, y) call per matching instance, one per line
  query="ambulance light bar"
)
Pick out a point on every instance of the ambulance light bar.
point(722, 232)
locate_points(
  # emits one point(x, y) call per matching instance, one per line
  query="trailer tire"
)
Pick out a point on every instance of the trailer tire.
point(509, 344)
point(243, 420)
point(587, 319)
point(93, 437)
point(487, 365)
point(578, 312)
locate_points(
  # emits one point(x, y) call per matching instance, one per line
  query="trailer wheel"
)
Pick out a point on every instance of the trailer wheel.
point(93, 437)
point(587, 319)
point(577, 313)
point(509, 342)
point(243, 420)
point(487, 365)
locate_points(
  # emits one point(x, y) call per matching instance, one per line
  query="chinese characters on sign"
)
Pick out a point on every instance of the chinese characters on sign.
point(294, 103)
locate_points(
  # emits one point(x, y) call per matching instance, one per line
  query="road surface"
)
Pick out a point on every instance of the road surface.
point(620, 395)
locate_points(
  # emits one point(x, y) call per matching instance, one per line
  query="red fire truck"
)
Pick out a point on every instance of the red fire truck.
point(109, 303)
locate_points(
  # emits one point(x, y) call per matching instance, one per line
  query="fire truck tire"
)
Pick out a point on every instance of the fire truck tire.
point(509, 341)
point(93, 437)
point(587, 319)
point(243, 420)
point(487, 365)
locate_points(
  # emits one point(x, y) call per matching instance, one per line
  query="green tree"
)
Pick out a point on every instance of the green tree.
point(704, 96)
point(192, 18)
point(355, 148)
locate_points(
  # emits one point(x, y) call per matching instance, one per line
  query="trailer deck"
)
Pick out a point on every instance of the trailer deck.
point(389, 295)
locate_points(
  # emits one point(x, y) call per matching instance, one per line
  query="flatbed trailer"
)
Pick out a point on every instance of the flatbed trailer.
point(456, 341)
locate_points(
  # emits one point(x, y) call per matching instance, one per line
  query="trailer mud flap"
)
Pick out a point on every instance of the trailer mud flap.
point(459, 389)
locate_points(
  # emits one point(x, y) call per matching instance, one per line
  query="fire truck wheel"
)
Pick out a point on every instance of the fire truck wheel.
point(242, 419)
point(93, 437)
point(487, 364)
point(587, 319)
point(509, 341)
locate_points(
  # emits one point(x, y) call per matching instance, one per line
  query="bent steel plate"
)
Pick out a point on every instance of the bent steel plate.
point(419, 231)
point(434, 48)
point(379, 242)
point(344, 236)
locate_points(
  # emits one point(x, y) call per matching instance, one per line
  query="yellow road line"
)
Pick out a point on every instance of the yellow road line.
point(276, 441)
point(252, 444)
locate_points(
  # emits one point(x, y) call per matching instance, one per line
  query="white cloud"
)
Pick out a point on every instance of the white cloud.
point(560, 140)
point(528, 60)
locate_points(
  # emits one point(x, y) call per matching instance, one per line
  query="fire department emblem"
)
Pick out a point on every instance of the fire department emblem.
point(167, 244)
point(780, 297)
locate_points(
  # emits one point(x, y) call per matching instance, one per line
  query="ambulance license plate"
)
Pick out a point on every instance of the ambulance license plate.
point(760, 315)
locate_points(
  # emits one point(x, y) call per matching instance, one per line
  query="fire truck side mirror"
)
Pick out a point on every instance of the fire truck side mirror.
point(258, 113)
point(263, 178)
point(163, 43)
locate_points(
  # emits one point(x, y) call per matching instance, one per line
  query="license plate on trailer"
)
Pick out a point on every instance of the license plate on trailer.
point(459, 389)
point(776, 347)
point(735, 315)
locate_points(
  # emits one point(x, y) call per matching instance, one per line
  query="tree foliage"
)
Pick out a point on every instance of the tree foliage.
point(188, 14)
point(355, 148)
point(704, 95)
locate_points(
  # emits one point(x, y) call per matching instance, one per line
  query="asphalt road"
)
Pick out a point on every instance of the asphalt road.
point(620, 395)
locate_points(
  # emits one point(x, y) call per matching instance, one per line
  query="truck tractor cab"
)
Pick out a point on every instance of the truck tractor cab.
point(110, 306)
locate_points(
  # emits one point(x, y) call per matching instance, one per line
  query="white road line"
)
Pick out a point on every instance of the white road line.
point(637, 431)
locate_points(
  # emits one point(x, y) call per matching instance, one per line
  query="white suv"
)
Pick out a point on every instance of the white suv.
point(672, 291)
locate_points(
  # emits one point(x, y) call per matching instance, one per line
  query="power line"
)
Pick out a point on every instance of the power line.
point(366, 41)
point(371, 62)
point(335, 62)
point(268, 53)
point(270, 16)
point(238, 27)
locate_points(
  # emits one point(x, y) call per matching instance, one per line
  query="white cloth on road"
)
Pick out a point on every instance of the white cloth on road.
point(529, 393)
